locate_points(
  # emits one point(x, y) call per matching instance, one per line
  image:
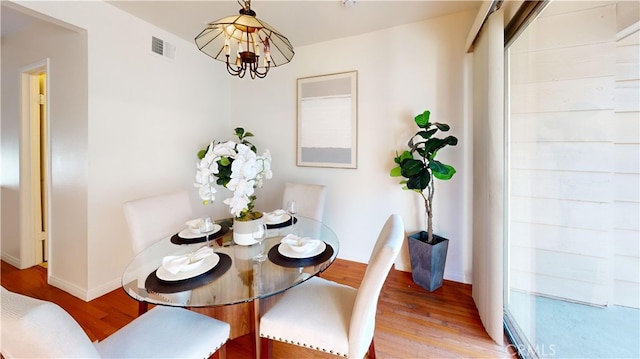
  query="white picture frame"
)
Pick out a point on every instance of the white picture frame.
point(327, 124)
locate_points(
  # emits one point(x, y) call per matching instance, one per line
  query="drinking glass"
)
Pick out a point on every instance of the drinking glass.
point(292, 209)
point(259, 234)
point(206, 228)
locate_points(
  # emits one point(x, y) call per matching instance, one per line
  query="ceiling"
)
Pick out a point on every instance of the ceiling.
point(303, 22)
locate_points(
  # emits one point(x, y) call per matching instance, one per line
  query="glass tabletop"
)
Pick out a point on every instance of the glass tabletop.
point(230, 276)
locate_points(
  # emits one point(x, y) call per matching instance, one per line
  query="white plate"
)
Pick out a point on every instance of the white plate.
point(286, 251)
point(209, 262)
point(285, 217)
point(188, 234)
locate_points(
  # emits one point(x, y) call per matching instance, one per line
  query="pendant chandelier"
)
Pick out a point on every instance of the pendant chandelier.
point(255, 45)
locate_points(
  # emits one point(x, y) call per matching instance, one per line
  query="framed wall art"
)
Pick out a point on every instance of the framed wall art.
point(328, 120)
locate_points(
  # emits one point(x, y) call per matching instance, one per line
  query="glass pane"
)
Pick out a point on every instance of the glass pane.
point(573, 271)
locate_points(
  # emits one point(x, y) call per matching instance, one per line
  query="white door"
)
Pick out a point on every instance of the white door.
point(39, 149)
point(34, 182)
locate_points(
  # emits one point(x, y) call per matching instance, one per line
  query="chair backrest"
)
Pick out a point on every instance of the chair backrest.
point(33, 328)
point(384, 254)
point(153, 218)
point(310, 198)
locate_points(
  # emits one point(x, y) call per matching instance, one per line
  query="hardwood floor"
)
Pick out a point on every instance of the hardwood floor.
point(411, 322)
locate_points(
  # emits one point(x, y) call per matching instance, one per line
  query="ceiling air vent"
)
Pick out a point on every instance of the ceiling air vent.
point(163, 48)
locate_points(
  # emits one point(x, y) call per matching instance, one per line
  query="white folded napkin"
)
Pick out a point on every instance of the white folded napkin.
point(275, 215)
point(194, 225)
point(174, 264)
point(300, 244)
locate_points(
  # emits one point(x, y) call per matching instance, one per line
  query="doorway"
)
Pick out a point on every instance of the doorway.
point(35, 176)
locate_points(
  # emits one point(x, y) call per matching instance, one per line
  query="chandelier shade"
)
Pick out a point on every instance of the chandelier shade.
point(245, 43)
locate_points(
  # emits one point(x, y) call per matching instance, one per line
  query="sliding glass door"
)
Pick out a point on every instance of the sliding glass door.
point(573, 134)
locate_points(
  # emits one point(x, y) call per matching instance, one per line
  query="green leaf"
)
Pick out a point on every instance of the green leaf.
point(451, 140)
point(426, 134)
point(222, 181)
point(224, 174)
point(404, 156)
point(224, 171)
point(251, 145)
point(441, 126)
point(441, 171)
point(436, 166)
point(434, 144)
point(411, 167)
point(422, 120)
point(420, 181)
point(239, 131)
point(248, 134)
point(396, 172)
point(203, 152)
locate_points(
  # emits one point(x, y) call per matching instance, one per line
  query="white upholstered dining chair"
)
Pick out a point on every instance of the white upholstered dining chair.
point(323, 315)
point(33, 328)
point(310, 199)
point(153, 218)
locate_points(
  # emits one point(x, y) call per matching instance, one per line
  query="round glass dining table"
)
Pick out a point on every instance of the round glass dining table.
point(232, 276)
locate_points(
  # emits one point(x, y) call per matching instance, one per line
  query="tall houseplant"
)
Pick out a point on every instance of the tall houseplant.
point(419, 167)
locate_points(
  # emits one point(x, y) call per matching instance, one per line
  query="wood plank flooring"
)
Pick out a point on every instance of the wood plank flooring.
point(411, 322)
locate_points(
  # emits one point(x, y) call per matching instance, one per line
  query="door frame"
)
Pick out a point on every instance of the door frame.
point(29, 198)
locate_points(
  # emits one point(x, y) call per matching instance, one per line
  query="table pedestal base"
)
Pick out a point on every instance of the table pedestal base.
point(243, 318)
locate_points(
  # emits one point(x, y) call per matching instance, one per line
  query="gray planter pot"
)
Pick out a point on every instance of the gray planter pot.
point(427, 260)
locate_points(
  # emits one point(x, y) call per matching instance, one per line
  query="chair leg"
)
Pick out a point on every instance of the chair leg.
point(265, 350)
point(142, 307)
point(372, 351)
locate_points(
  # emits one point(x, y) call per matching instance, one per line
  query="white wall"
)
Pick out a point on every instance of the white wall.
point(66, 50)
point(626, 176)
point(146, 119)
point(401, 72)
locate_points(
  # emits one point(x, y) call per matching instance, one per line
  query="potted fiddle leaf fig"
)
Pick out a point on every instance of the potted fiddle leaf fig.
point(419, 167)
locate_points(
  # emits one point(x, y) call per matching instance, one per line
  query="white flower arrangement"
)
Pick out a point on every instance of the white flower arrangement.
point(237, 167)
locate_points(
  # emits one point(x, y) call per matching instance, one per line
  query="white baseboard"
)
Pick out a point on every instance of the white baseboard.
point(69, 287)
point(103, 289)
point(83, 293)
point(405, 266)
point(14, 261)
point(457, 277)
